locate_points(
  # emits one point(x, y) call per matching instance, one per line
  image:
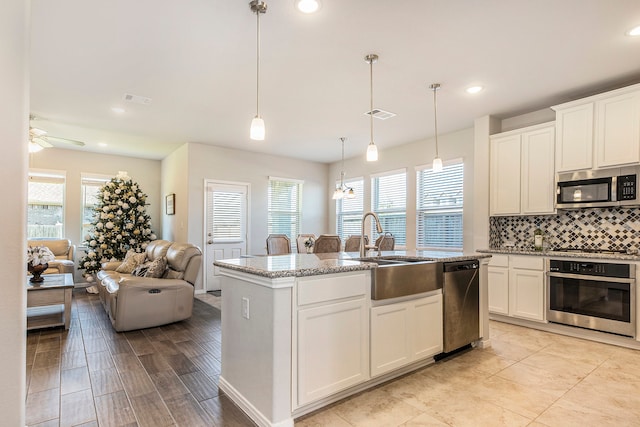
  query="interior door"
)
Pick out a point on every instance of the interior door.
point(226, 226)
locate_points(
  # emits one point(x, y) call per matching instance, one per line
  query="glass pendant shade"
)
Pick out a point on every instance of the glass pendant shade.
point(437, 164)
point(338, 194)
point(372, 152)
point(350, 193)
point(257, 129)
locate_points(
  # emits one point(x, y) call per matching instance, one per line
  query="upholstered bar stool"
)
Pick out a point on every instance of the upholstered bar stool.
point(278, 244)
point(327, 243)
point(352, 244)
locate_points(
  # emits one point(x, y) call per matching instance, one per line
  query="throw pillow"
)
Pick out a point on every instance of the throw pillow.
point(131, 261)
point(156, 267)
point(141, 270)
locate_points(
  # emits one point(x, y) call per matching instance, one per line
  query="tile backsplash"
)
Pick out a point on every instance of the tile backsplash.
point(605, 228)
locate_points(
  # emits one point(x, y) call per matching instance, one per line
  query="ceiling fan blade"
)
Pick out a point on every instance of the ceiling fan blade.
point(42, 142)
point(66, 140)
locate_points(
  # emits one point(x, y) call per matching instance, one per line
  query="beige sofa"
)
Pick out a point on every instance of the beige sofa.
point(63, 251)
point(134, 302)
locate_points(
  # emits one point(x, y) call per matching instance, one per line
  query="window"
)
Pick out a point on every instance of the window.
point(45, 210)
point(90, 188)
point(285, 204)
point(439, 208)
point(349, 211)
point(389, 202)
point(227, 205)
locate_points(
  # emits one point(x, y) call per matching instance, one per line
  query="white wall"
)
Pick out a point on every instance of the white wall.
point(175, 180)
point(451, 146)
point(14, 125)
point(74, 162)
point(225, 164)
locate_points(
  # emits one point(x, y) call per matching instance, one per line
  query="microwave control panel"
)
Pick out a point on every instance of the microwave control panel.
point(627, 187)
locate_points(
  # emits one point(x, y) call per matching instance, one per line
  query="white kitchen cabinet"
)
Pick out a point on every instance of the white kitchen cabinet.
point(498, 284)
point(405, 332)
point(538, 173)
point(600, 131)
point(519, 289)
point(574, 137)
point(617, 139)
point(505, 175)
point(526, 294)
point(332, 335)
point(522, 176)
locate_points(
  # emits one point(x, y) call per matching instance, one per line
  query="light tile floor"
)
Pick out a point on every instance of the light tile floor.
point(527, 378)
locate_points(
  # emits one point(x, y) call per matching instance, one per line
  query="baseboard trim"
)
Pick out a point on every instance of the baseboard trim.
point(246, 406)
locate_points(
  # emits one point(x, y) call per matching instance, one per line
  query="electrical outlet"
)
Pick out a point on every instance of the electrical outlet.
point(245, 307)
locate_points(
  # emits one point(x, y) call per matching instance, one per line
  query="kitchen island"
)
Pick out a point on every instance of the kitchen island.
point(301, 331)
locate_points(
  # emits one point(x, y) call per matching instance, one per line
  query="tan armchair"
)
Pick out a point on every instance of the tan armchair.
point(352, 244)
point(64, 252)
point(278, 244)
point(327, 243)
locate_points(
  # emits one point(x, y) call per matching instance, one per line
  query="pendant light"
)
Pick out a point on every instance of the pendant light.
point(437, 161)
point(257, 130)
point(343, 191)
point(372, 150)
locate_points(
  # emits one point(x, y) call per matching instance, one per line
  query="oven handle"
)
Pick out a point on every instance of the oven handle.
point(591, 278)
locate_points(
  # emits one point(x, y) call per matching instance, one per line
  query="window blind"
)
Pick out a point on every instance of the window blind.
point(285, 204)
point(439, 208)
point(349, 211)
point(389, 202)
point(228, 210)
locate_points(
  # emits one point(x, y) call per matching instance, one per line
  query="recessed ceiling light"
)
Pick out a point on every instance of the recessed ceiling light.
point(102, 144)
point(117, 110)
point(474, 89)
point(634, 31)
point(308, 6)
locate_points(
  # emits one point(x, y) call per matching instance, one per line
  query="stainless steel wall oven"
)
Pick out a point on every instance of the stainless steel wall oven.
point(593, 295)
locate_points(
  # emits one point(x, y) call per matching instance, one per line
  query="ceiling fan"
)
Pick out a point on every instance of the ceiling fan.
point(38, 139)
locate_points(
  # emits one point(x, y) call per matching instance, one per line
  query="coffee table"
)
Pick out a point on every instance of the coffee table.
point(49, 302)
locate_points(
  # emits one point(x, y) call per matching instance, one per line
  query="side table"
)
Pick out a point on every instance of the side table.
point(49, 302)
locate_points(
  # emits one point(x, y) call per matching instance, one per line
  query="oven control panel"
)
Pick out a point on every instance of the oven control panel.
point(590, 268)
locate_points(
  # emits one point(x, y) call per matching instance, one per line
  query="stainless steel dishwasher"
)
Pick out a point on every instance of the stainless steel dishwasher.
point(461, 304)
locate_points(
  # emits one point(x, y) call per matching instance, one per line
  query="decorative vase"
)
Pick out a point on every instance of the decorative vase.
point(36, 271)
point(310, 250)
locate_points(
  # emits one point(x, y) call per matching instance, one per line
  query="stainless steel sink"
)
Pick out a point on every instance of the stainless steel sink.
point(401, 277)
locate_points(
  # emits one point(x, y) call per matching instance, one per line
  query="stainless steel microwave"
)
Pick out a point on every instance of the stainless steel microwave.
point(598, 188)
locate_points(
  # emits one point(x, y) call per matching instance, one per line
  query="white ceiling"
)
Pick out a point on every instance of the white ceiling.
point(196, 60)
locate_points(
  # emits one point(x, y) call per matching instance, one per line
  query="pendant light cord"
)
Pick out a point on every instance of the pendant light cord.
point(435, 113)
point(342, 167)
point(258, 63)
point(371, 92)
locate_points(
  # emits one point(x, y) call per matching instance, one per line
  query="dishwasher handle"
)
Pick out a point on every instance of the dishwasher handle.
point(450, 267)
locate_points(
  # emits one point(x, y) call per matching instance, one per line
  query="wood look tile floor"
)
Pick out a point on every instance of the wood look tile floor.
point(167, 376)
point(91, 375)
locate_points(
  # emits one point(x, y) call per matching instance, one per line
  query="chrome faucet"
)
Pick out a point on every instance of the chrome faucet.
point(378, 228)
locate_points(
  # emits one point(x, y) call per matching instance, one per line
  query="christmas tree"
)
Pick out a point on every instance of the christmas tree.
point(120, 223)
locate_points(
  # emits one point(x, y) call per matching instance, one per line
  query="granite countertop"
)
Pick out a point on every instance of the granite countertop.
point(561, 254)
point(300, 265)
